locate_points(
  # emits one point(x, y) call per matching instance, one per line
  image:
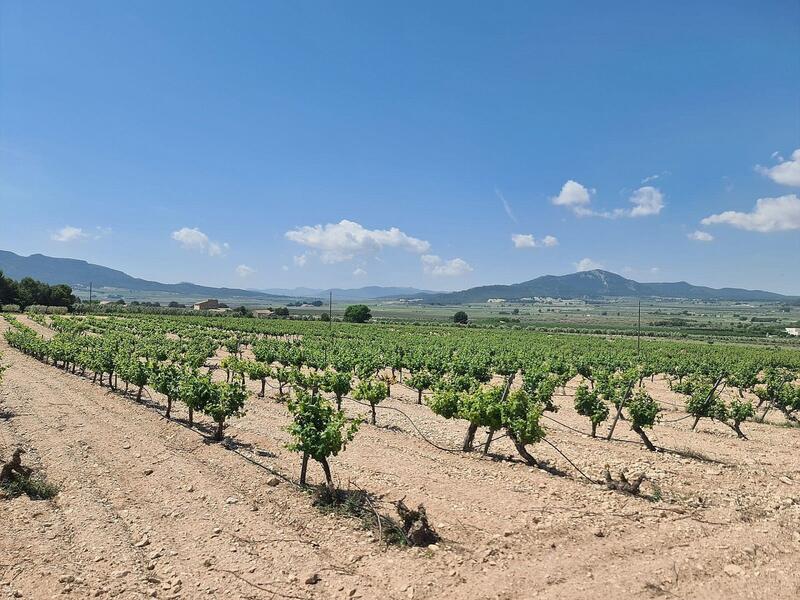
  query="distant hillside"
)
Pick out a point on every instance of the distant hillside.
point(596, 284)
point(78, 273)
point(371, 292)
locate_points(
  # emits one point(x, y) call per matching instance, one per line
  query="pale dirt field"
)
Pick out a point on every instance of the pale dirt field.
point(150, 508)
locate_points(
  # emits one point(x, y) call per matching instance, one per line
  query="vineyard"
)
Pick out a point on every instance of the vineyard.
point(510, 447)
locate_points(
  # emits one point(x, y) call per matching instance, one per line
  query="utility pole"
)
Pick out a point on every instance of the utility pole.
point(90, 292)
point(330, 324)
point(639, 332)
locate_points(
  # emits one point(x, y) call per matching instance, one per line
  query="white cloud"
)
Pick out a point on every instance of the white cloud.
point(341, 241)
point(244, 271)
point(786, 172)
point(573, 195)
point(700, 236)
point(434, 265)
point(549, 241)
point(769, 215)
point(300, 260)
point(523, 240)
point(359, 272)
point(526, 240)
point(587, 264)
point(647, 201)
point(284, 268)
point(194, 239)
point(69, 234)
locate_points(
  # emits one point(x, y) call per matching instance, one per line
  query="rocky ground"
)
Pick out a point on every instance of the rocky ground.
point(150, 508)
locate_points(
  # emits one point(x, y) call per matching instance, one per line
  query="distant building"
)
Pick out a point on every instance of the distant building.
point(496, 300)
point(263, 313)
point(207, 304)
point(793, 330)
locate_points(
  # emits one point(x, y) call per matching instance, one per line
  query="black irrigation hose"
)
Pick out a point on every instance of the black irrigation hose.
point(414, 425)
point(574, 466)
point(587, 435)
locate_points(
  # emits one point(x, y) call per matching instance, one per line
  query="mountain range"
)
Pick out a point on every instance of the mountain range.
point(585, 284)
point(79, 273)
point(597, 284)
point(370, 292)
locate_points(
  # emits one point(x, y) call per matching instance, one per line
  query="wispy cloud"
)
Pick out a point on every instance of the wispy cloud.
point(506, 205)
point(244, 271)
point(700, 236)
point(300, 260)
point(655, 177)
point(194, 239)
point(69, 234)
point(359, 272)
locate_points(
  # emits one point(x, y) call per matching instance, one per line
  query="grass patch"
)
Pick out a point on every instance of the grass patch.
point(36, 487)
point(360, 505)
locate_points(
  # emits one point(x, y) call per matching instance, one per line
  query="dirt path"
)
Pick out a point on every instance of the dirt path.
point(148, 507)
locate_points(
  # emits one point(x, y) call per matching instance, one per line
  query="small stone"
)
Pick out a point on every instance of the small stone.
point(599, 533)
point(273, 481)
point(66, 578)
point(231, 500)
point(207, 562)
point(217, 530)
point(786, 480)
point(145, 541)
point(313, 579)
point(126, 446)
point(733, 570)
point(189, 488)
point(433, 547)
point(148, 471)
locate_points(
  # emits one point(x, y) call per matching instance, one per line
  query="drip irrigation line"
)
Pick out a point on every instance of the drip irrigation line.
point(414, 425)
point(613, 439)
point(556, 448)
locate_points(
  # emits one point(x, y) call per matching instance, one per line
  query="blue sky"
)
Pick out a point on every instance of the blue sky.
point(435, 144)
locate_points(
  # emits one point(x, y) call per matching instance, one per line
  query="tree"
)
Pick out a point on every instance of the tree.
point(461, 317)
point(324, 317)
point(319, 431)
point(357, 313)
point(373, 392)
